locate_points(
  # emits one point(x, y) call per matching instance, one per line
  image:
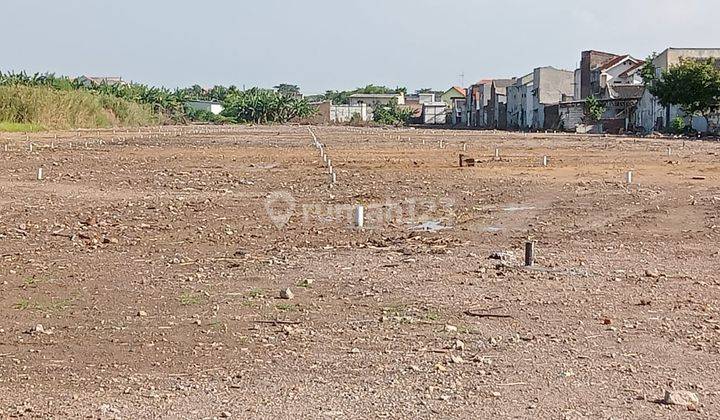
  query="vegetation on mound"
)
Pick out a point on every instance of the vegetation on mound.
point(60, 109)
point(133, 103)
point(12, 127)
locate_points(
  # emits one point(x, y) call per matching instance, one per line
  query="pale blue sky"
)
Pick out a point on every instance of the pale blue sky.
point(336, 44)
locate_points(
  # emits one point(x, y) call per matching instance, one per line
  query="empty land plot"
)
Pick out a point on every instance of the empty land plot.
point(142, 275)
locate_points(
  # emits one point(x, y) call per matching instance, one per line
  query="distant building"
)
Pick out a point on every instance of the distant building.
point(456, 101)
point(550, 87)
point(327, 112)
point(477, 98)
point(434, 113)
point(651, 115)
point(520, 103)
point(451, 94)
point(374, 100)
point(426, 98)
point(209, 106)
point(89, 81)
point(589, 61)
point(496, 110)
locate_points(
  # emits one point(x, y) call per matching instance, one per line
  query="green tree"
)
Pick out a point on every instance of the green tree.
point(693, 85)
point(287, 89)
point(392, 114)
point(594, 110)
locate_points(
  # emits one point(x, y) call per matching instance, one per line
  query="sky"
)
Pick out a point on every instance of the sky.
point(334, 44)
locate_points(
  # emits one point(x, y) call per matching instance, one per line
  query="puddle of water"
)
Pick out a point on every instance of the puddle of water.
point(429, 226)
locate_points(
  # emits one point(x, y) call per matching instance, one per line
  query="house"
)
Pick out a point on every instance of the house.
point(600, 69)
point(376, 99)
point(423, 97)
point(451, 94)
point(651, 115)
point(455, 99)
point(327, 112)
point(550, 87)
point(610, 72)
point(434, 113)
point(346, 113)
point(589, 61)
point(209, 106)
point(619, 114)
point(496, 114)
point(89, 81)
point(477, 98)
point(520, 103)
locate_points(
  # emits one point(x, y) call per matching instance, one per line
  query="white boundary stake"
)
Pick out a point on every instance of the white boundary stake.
point(497, 154)
point(629, 177)
point(359, 217)
point(40, 174)
point(545, 161)
point(333, 178)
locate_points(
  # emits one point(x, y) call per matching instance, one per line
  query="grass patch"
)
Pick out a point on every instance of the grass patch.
point(256, 293)
point(12, 127)
point(432, 315)
point(32, 281)
point(286, 307)
point(52, 306)
point(22, 304)
point(305, 283)
point(189, 298)
point(56, 305)
point(396, 310)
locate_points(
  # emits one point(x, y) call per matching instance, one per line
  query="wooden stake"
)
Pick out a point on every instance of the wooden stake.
point(529, 254)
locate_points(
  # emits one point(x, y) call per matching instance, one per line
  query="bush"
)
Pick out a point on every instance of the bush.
point(392, 114)
point(678, 125)
point(204, 116)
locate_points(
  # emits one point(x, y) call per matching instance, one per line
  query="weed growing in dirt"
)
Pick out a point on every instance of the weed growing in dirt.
point(305, 283)
point(432, 315)
point(256, 293)
point(286, 307)
point(52, 306)
point(55, 306)
point(22, 305)
point(396, 310)
point(189, 298)
point(32, 281)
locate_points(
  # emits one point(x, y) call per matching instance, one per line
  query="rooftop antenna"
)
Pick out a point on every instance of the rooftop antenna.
point(462, 79)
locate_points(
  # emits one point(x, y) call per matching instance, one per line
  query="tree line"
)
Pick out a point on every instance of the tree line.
point(255, 105)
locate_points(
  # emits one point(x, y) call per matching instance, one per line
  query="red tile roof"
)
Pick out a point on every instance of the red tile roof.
point(632, 69)
point(460, 90)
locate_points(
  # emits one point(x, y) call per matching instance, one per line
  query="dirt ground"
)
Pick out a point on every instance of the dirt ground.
point(141, 277)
